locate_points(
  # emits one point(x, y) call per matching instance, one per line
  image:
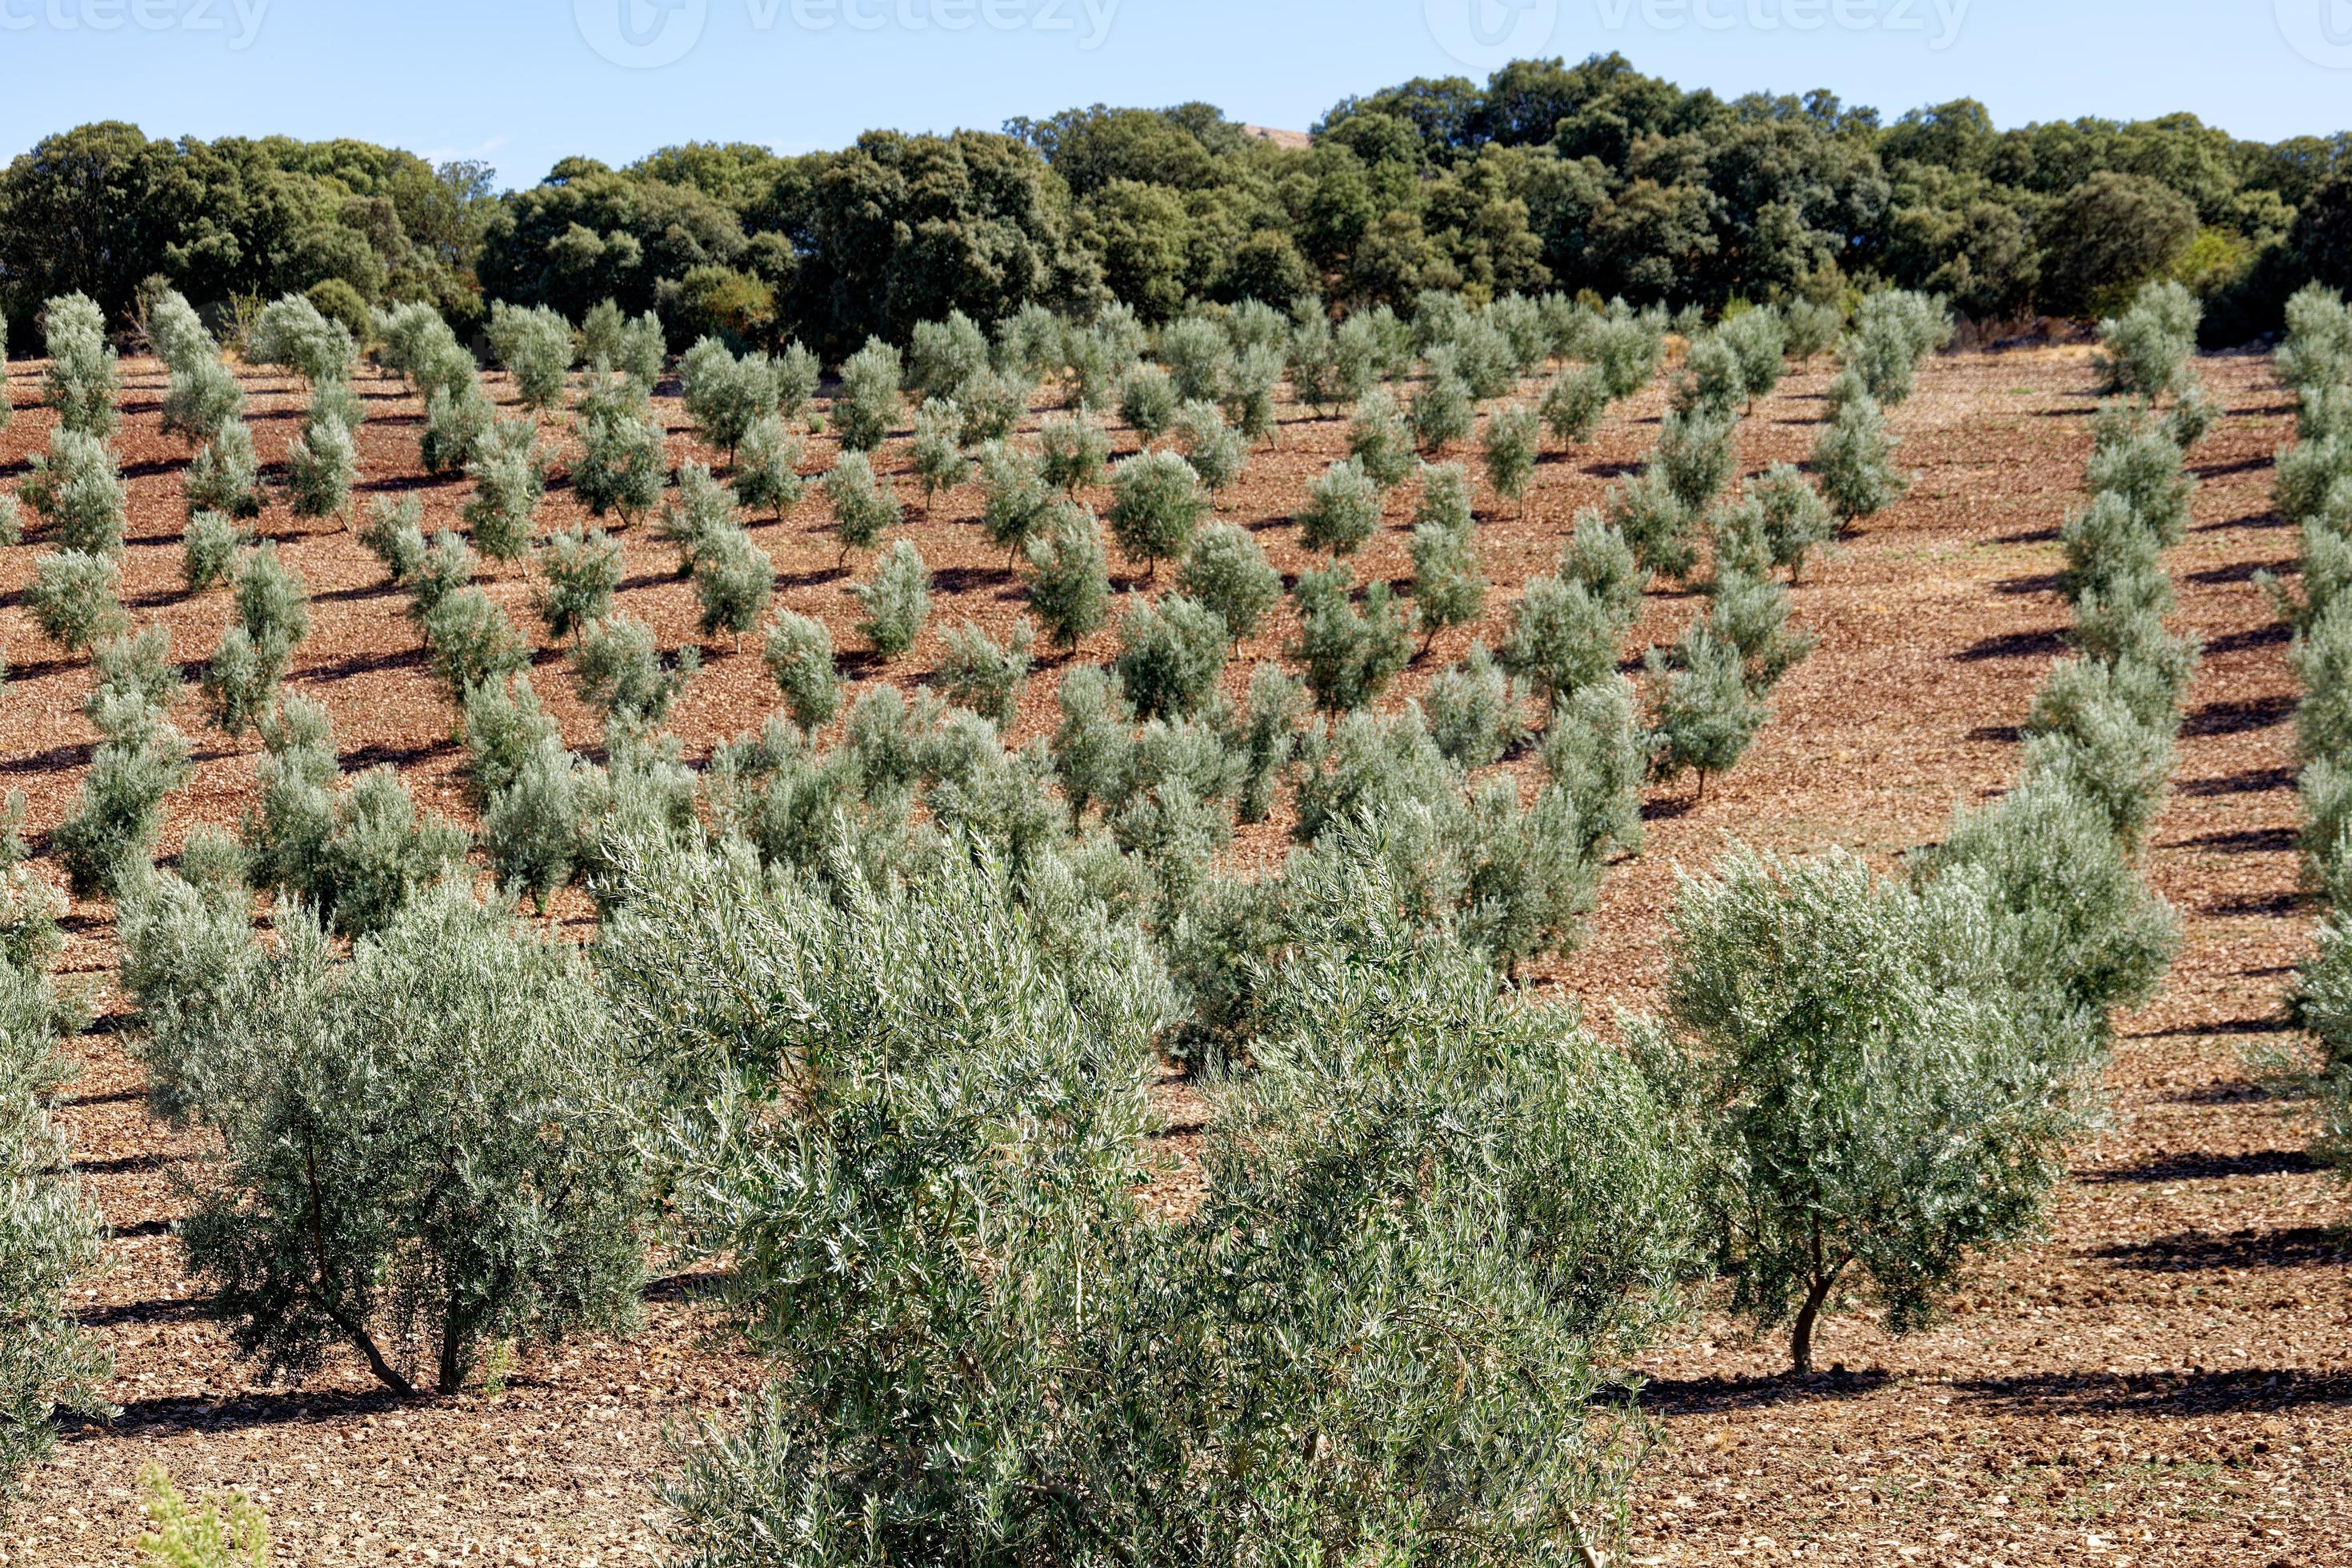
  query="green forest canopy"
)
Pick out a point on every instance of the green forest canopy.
point(1591, 176)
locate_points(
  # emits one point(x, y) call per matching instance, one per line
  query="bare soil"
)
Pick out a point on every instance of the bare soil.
point(2166, 1379)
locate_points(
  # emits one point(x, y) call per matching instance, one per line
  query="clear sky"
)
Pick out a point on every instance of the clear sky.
point(523, 83)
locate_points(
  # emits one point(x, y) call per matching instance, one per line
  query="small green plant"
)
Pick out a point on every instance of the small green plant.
point(109, 830)
point(939, 464)
point(225, 476)
point(733, 579)
point(1148, 401)
point(799, 653)
point(292, 334)
point(1443, 410)
point(1853, 461)
point(977, 673)
point(509, 474)
point(1016, 502)
point(1449, 589)
point(726, 396)
point(895, 599)
point(618, 669)
point(321, 466)
point(208, 549)
point(1069, 578)
point(202, 395)
point(1156, 506)
point(1074, 452)
point(1705, 715)
point(1797, 520)
point(622, 466)
point(80, 382)
point(579, 572)
point(226, 1532)
point(864, 507)
point(1214, 448)
point(1342, 509)
point(1573, 405)
point(471, 641)
point(1227, 572)
point(73, 598)
point(1696, 456)
point(446, 566)
point(536, 346)
point(1170, 656)
point(1350, 655)
point(1513, 437)
point(76, 487)
point(768, 468)
point(699, 513)
point(867, 405)
point(1380, 440)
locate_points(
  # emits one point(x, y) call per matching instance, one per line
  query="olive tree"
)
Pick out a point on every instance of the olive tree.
point(1876, 1102)
point(799, 653)
point(424, 1147)
point(1854, 460)
point(1156, 506)
point(75, 486)
point(1069, 578)
point(895, 599)
point(49, 1232)
point(536, 346)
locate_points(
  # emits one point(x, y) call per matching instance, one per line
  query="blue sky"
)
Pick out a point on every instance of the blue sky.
point(521, 84)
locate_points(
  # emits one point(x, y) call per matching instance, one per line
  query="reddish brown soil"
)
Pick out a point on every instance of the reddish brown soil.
point(2164, 1379)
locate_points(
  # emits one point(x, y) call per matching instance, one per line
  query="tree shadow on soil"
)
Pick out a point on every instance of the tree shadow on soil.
point(2195, 1167)
point(2158, 1393)
point(2296, 1247)
point(1713, 1395)
point(2047, 643)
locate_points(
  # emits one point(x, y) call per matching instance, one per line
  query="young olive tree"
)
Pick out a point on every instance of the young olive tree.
point(865, 506)
point(618, 669)
point(225, 476)
point(1227, 571)
point(426, 1146)
point(867, 405)
point(895, 599)
point(1156, 506)
point(1342, 509)
point(1350, 655)
point(1170, 656)
point(1853, 461)
point(799, 653)
point(49, 1231)
point(1876, 1102)
point(75, 486)
point(578, 572)
point(1069, 578)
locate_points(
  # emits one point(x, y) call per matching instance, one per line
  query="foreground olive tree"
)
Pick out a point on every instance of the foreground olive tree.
point(424, 1146)
point(1878, 1102)
point(911, 1113)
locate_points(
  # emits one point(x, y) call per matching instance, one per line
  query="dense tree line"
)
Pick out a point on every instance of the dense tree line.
point(1591, 176)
